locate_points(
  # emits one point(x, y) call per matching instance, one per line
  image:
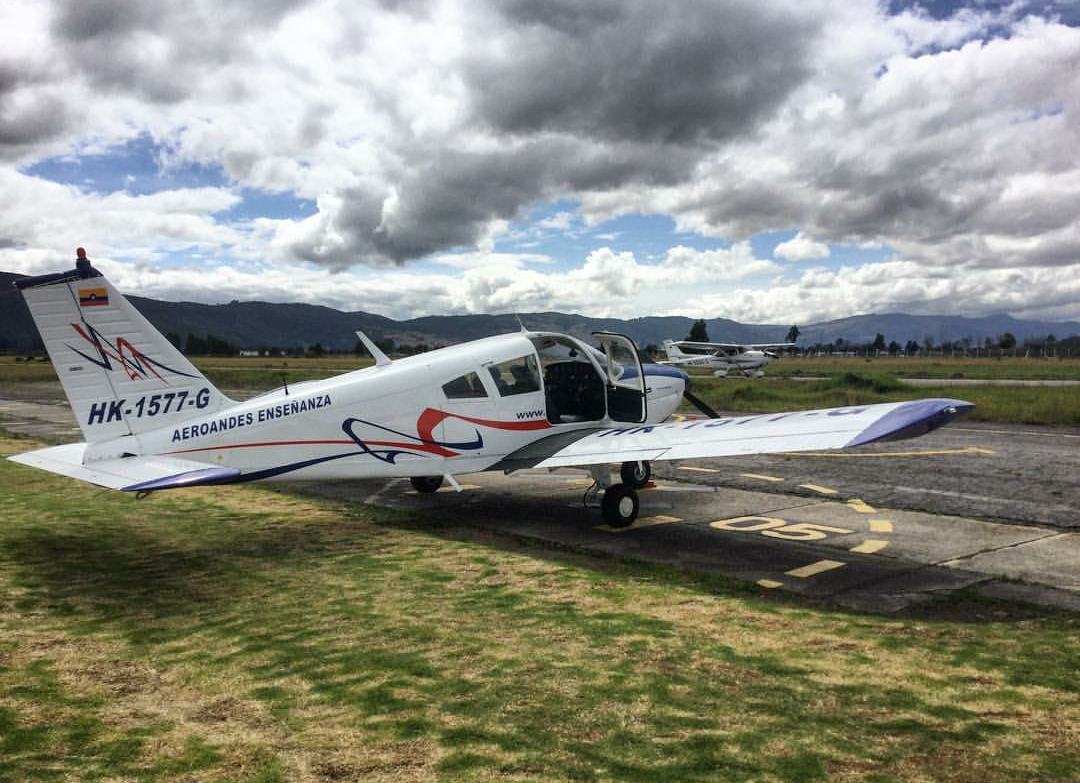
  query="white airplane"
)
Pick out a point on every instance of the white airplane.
point(152, 421)
point(722, 358)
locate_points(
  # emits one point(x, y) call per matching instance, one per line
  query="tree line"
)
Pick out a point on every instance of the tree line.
point(212, 345)
point(1005, 343)
point(1041, 346)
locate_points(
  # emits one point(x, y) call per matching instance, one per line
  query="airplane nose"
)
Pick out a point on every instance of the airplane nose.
point(665, 369)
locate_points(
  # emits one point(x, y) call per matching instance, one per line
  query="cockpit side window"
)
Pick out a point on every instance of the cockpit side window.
point(517, 376)
point(467, 387)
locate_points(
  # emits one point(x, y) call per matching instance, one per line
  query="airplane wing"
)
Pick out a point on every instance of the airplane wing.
point(732, 345)
point(831, 428)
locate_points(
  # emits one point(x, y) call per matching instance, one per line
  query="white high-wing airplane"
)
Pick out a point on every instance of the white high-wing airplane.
point(152, 421)
point(723, 357)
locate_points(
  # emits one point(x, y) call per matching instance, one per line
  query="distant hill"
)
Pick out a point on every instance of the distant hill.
point(861, 329)
point(259, 324)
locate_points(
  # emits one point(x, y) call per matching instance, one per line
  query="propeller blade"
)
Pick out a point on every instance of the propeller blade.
point(700, 404)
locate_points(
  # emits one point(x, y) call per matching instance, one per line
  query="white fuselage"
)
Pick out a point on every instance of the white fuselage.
point(443, 412)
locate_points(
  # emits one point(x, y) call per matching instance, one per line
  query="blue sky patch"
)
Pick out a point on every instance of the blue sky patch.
point(133, 167)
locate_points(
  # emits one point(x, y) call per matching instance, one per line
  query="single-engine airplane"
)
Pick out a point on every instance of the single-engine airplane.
point(722, 358)
point(152, 421)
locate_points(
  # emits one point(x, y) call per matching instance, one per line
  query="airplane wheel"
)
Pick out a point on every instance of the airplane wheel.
point(620, 505)
point(636, 474)
point(426, 483)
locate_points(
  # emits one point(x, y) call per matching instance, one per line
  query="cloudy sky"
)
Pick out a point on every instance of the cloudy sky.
point(769, 161)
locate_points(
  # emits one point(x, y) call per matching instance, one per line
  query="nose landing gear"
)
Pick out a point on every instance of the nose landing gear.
point(636, 474)
point(619, 503)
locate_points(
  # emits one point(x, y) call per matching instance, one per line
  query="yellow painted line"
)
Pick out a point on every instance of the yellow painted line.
point(581, 481)
point(880, 526)
point(769, 583)
point(816, 488)
point(640, 522)
point(860, 506)
point(815, 568)
point(869, 546)
point(760, 477)
point(927, 453)
point(699, 470)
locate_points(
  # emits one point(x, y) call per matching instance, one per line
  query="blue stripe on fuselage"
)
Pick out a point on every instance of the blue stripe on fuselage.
point(654, 370)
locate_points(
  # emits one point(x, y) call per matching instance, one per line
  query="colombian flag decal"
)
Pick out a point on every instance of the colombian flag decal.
point(89, 297)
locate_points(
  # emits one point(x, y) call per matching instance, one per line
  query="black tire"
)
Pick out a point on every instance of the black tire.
point(636, 474)
point(620, 505)
point(426, 484)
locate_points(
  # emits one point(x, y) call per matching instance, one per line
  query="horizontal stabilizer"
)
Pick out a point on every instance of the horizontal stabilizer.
point(127, 473)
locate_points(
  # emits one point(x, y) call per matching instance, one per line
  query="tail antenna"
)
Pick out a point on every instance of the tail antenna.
point(520, 323)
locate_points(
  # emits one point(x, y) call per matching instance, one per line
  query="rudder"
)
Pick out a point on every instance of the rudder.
point(672, 350)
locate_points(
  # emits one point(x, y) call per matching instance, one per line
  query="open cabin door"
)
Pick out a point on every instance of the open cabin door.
point(625, 378)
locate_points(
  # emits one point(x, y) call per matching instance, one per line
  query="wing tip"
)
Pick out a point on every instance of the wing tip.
point(911, 419)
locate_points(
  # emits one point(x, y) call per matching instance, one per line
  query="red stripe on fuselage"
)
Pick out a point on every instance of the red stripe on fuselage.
point(432, 417)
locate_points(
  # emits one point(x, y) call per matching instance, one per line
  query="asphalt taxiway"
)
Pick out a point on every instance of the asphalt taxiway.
point(881, 528)
point(824, 544)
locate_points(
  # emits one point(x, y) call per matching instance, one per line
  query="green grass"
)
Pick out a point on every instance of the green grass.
point(227, 372)
point(1051, 405)
point(262, 374)
point(1018, 368)
point(243, 634)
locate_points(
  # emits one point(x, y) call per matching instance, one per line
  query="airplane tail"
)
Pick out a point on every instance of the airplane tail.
point(120, 374)
point(673, 351)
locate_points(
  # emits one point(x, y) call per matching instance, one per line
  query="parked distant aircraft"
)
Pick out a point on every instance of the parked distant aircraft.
point(152, 421)
point(722, 357)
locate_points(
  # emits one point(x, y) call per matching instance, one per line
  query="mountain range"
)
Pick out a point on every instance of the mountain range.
point(267, 324)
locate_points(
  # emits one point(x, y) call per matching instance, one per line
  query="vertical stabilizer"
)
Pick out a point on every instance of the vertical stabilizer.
point(673, 351)
point(120, 374)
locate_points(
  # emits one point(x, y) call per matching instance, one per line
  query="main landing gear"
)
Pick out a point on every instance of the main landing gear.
point(426, 484)
point(619, 503)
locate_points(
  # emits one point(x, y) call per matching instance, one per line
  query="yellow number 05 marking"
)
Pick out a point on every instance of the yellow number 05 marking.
point(778, 528)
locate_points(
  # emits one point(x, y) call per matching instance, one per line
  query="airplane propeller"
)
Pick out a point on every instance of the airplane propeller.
point(698, 403)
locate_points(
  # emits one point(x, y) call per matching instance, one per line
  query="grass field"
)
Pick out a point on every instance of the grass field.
point(241, 634)
point(1052, 405)
point(228, 372)
point(1016, 368)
